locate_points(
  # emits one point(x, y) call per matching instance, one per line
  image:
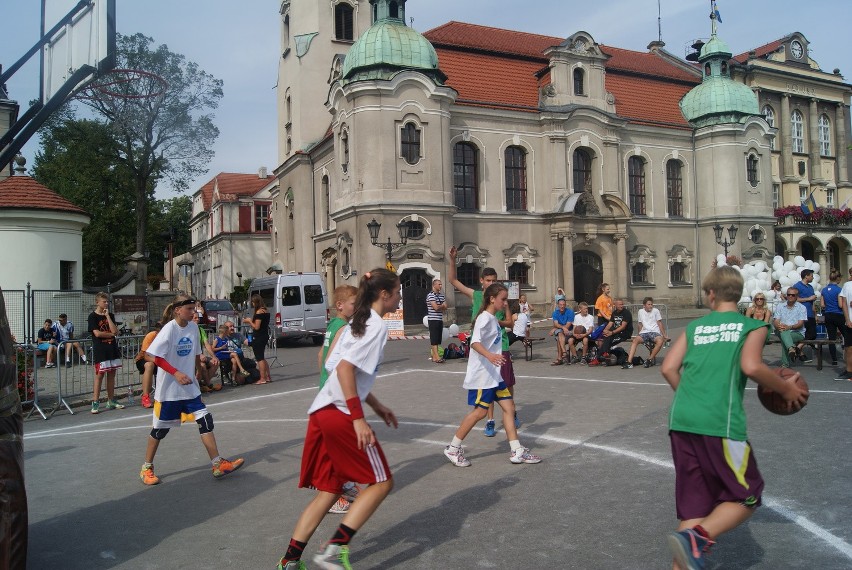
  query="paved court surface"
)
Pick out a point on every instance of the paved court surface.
point(602, 497)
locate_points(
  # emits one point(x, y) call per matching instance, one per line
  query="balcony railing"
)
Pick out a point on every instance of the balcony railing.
point(827, 223)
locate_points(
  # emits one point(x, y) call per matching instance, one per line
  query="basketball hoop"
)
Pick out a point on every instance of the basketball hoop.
point(124, 84)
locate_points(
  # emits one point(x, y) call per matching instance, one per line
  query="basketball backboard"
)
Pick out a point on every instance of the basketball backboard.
point(86, 36)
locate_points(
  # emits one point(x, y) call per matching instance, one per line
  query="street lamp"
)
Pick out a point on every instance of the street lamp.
point(373, 227)
point(732, 234)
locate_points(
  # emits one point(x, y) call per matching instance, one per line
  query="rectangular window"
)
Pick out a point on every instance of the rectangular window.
point(313, 295)
point(66, 275)
point(639, 274)
point(468, 274)
point(519, 272)
point(678, 274)
point(674, 189)
point(464, 176)
point(636, 183)
point(751, 170)
point(261, 217)
point(291, 296)
point(516, 179)
point(776, 195)
point(829, 197)
point(803, 193)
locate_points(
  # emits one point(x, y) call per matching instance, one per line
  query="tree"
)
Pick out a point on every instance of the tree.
point(168, 136)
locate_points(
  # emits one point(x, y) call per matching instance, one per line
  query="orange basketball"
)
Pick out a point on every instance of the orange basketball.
point(773, 401)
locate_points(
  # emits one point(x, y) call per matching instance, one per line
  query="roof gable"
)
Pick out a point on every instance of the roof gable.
point(230, 186)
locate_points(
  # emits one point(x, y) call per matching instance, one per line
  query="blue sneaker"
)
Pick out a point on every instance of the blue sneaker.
point(689, 548)
point(517, 421)
point(489, 429)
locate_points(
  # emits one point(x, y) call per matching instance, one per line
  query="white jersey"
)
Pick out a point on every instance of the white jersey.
point(520, 327)
point(481, 373)
point(588, 321)
point(365, 352)
point(649, 320)
point(846, 292)
point(64, 332)
point(178, 346)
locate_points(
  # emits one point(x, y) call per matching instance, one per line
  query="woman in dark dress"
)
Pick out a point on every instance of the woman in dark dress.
point(260, 337)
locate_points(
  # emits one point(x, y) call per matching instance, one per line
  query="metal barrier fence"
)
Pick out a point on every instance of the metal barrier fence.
point(26, 365)
point(16, 312)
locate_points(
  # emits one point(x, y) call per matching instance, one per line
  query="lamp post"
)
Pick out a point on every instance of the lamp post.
point(732, 235)
point(373, 227)
point(170, 241)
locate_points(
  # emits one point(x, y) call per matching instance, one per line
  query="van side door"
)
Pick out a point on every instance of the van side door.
point(315, 306)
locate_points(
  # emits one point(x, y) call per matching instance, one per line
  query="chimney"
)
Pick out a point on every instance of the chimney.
point(261, 172)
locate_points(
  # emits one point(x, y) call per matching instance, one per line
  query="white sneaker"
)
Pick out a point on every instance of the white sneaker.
point(341, 506)
point(333, 556)
point(523, 455)
point(456, 456)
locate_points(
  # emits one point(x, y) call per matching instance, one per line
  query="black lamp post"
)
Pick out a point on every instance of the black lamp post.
point(732, 234)
point(373, 227)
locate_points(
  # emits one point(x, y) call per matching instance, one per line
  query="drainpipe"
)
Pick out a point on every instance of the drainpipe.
point(699, 302)
point(314, 208)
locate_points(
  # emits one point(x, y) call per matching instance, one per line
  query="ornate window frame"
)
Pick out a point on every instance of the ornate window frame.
point(344, 254)
point(680, 254)
point(521, 253)
point(642, 254)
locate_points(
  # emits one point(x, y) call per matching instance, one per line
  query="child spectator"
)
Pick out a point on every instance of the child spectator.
point(603, 304)
point(484, 384)
point(175, 351)
point(65, 333)
point(717, 483)
point(344, 303)
point(225, 349)
point(105, 351)
point(584, 324)
point(339, 445)
point(47, 343)
point(521, 328)
point(147, 369)
point(651, 330)
point(523, 305)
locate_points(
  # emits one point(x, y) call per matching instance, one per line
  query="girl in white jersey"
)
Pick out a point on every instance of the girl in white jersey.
point(340, 446)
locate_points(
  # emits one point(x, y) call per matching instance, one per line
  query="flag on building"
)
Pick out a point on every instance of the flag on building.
point(809, 206)
point(845, 205)
point(716, 13)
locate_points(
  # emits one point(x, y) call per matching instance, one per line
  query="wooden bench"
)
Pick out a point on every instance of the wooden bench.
point(817, 345)
point(528, 346)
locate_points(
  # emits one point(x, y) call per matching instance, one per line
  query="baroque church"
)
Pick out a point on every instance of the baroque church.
point(561, 162)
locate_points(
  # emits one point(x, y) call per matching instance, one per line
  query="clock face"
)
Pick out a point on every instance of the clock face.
point(796, 49)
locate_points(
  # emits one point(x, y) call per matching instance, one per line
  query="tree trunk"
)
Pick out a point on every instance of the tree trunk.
point(141, 214)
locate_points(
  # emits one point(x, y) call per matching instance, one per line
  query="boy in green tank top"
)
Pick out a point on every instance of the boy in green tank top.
point(717, 482)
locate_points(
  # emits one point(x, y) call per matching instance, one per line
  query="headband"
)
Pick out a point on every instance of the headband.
point(184, 303)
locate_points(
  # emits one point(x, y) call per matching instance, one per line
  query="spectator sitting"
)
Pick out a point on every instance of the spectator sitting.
point(239, 340)
point(47, 343)
point(563, 321)
point(651, 329)
point(64, 330)
point(789, 322)
point(618, 329)
point(584, 324)
point(521, 328)
point(226, 350)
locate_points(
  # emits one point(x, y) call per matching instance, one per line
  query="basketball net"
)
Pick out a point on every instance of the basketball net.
point(126, 97)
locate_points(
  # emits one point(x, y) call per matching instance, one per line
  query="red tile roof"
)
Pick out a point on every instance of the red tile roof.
point(763, 50)
point(496, 68)
point(23, 192)
point(232, 185)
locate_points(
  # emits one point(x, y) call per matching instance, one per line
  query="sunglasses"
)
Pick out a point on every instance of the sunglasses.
point(759, 299)
point(792, 294)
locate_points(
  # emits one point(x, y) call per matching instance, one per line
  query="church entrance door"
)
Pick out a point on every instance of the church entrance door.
point(416, 284)
point(588, 276)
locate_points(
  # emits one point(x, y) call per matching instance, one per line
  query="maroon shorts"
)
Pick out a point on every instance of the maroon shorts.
point(331, 456)
point(712, 470)
point(507, 371)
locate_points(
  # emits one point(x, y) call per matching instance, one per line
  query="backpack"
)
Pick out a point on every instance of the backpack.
point(598, 332)
point(453, 351)
point(620, 355)
point(637, 361)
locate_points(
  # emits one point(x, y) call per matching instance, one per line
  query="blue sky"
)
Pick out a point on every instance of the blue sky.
point(238, 43)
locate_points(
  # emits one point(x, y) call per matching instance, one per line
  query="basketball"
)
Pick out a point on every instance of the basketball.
point(773, 401)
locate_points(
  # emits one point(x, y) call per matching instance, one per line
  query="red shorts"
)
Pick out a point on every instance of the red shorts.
point(711, 470)
point(331, 456)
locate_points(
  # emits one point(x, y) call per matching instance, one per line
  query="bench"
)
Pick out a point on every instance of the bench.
point(817, 345)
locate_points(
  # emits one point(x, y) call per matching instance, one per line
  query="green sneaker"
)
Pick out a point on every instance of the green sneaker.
point(95, 407)
point(113, 405)
point(333, 556)
point(292, 565)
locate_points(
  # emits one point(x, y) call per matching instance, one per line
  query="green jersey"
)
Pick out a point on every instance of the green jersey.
point(709, 398)
point(500, 315)
point(334, 325)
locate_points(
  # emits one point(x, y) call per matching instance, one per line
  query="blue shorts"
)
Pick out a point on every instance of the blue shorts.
point(44, 346)
point(172, 414)
point(484, 397)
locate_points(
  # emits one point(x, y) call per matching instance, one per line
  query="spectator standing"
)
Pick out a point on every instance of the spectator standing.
point(436, 305)
point(65, 333)
point(104, 351)
point(560, 296)
point(563, 321)
point(259, 322)
point(47, 341)
point(789, 322)
point(832, 312)
point(603, 304)
point(846, 306)
point(807, 296)
point(651, 329)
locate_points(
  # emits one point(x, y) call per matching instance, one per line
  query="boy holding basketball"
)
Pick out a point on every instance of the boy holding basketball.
point(717, 483)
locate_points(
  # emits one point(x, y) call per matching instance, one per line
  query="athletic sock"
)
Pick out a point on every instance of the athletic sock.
point(343, 535)
point(456, 442)
point(147, 465)
point(700, 530)
point(515, 444)
point(294, 550)
point(216, 460)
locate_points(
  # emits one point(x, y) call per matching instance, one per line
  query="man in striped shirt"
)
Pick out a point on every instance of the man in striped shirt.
point(436, 304)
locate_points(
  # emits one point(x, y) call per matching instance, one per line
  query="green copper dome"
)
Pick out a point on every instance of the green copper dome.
point(719, 99)
point(388, 47)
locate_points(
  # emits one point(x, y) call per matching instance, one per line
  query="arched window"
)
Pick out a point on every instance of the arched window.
point(636, 184)
point(394, 10)
point(519, 272)
point(582, 171)
point(343, 22)
point(289, 107)
point(465, 183)
point(724, 68)
point(769, 115)
point(751, 170)
point(326, 203)
point(516, 178)
point(579, 76)
point(344, 151)
point(707, 69)
point(410, 145)
point(798, 131)
point(674, 189)
point(824, 131)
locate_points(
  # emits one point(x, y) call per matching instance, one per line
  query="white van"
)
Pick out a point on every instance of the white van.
point(297, 302)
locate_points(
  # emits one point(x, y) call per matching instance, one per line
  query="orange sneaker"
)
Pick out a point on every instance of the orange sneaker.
point(224, 467)
point(147, 475)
